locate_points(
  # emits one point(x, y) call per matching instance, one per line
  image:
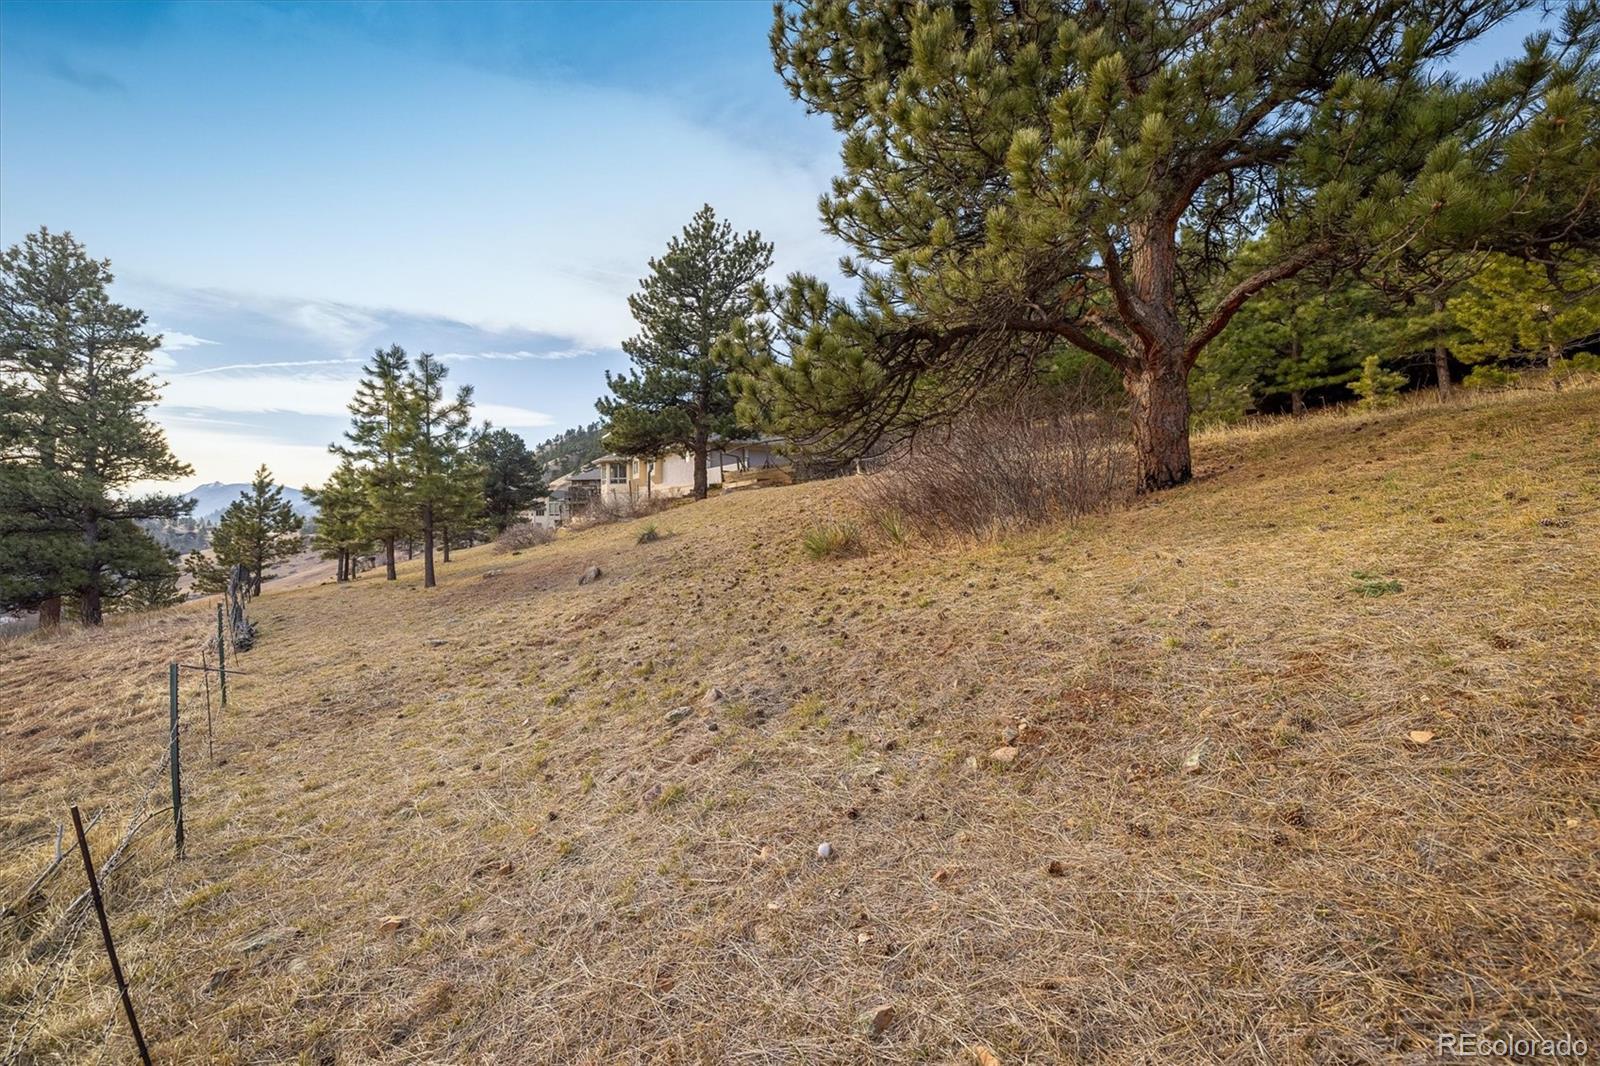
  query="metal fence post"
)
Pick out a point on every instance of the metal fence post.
point(177, 777)
point(105, 934)
point(222, 658)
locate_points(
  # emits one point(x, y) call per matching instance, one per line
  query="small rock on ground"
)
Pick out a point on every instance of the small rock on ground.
point(590, 575)
point(878, 1019)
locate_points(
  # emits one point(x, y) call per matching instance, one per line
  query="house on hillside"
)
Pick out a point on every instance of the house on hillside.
point(566, 499)
point(671, 474)
point(624, 481)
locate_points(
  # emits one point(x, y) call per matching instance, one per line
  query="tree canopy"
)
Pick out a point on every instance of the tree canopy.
point(677, 393)
point(257, 530)
point(1022, 176)
point(75, 433)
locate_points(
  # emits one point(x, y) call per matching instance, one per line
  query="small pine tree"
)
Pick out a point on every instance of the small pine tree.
point(258, 529)
point(152, 589)
point(339, 532)
point(207, 576)
point(511, 480)
point(1376, 386)
point(678, 392)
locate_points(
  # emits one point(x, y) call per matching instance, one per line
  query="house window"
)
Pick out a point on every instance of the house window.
point(617, 473)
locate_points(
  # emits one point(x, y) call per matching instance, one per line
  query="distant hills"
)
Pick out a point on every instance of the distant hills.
point(212, 498)
point(567, 452)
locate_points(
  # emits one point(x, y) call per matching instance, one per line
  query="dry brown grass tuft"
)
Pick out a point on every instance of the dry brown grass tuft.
point(1217, 840)
point(522, 536)
point(1002, 469)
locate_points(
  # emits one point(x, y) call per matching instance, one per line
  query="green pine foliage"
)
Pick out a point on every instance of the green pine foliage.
point(440, 479)
point(1376, 386)
point(677, 394)
point(1305, 335)
point(258, 530)
point(1512, 308)
point(511, 475)
point(75, 433)
point(380, 428)
point(1016, 178)
point(340, 531)
point(207, 576)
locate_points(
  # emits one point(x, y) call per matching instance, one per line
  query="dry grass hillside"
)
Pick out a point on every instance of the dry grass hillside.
point(1307, 768)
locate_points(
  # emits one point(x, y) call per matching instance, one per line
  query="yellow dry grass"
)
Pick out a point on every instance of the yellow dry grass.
point(582, 880)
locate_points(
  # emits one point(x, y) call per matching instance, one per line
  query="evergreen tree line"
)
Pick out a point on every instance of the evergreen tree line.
point(1329, 338)
point(412, 468)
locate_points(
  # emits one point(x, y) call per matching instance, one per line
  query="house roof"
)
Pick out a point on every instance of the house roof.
point(590, 474)
point(610, 457)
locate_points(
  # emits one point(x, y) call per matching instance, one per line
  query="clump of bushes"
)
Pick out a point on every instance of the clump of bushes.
point(522, 535)
point(649, 535)
point(601, 511)
point(1022, 462)
point(1376, 386)
point(1490, 377)
point(826, 540)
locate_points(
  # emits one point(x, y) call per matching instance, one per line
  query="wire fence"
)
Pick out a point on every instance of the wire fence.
point(42, 925)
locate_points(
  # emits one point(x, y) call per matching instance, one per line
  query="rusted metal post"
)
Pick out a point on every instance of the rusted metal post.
point(222, 658)
point(105, 934)
point(177, 775)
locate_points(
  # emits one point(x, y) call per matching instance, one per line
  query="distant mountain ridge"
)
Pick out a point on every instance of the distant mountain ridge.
point(212, 498)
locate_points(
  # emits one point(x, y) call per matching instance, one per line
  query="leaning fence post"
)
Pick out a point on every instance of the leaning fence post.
point(105, 934)
point(177, 777)
point(222, 658)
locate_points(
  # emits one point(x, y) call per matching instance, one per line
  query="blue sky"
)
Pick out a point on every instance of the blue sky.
point(283, 187)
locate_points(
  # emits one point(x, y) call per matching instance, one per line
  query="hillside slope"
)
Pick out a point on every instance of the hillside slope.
point(1308, 769)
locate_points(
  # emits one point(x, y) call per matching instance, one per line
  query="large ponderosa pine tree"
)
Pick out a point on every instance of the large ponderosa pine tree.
point(75, 433)
point(258, 529)
point(441, 479)
point(677, 393)
point(380, 424)
point(1018, 176)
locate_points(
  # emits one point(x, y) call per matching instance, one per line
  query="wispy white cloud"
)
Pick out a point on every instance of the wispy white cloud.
point(511, 416)
point(232, 367)
point(339, 325)
point(262, 392)
point(176, 341)
point(221, 454)
point(249, 389)
point(518, 357)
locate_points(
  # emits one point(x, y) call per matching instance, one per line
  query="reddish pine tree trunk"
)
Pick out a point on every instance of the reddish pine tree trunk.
point(1297, 402)
point(446, 541)
point(50, 613)
point(1160, 401)
point(1158, 384)
point(388, 556)
point(427, 546)
point(1441, 355)
point(700, 448)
